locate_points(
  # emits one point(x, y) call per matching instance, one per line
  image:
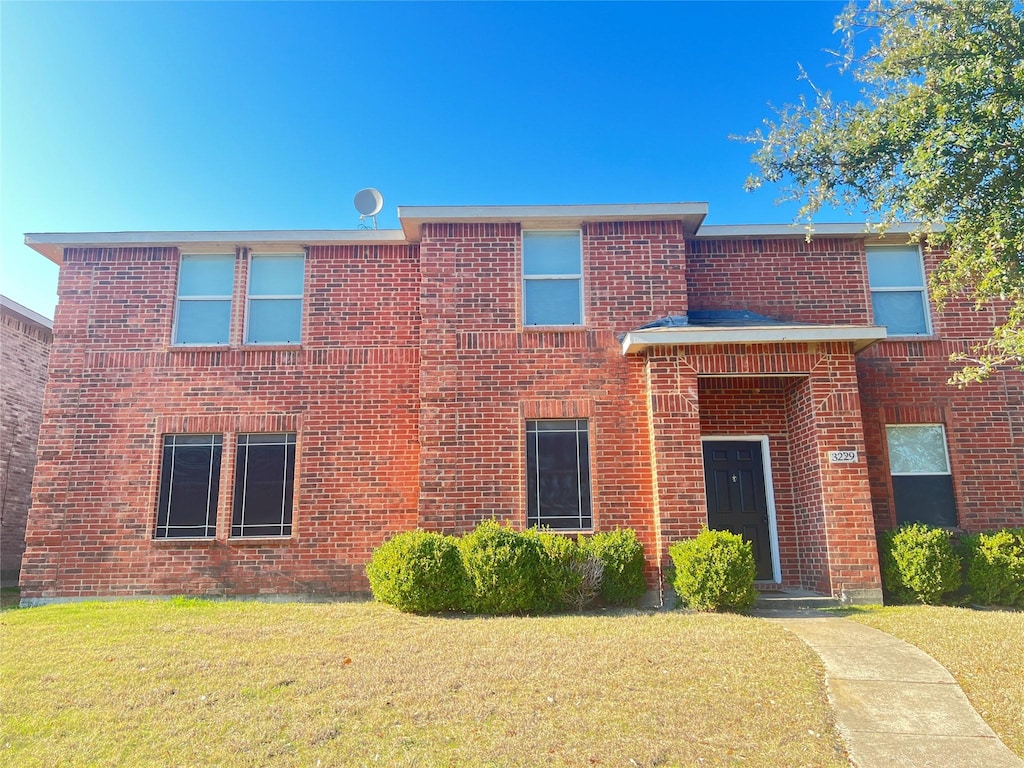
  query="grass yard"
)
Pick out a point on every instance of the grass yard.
point(984, 650)
point(252, 684)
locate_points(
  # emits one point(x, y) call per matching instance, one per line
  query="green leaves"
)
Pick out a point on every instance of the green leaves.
point(937, 137)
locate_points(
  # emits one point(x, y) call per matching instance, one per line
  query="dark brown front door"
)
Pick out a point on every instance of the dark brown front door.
point(734, 480)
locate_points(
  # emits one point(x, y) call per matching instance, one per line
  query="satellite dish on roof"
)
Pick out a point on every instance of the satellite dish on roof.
point(368, 202)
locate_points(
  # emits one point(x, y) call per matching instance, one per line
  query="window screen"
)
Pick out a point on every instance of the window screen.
point(189, 486)
point(558, 474)
point(264, 485)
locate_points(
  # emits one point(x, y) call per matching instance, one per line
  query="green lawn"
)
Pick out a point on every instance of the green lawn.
point(254, 684)
point(984, 650)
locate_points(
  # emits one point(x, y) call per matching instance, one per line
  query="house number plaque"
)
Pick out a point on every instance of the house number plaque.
point(842, 457)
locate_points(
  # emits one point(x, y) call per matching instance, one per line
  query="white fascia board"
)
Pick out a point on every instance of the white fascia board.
point(549, 216)
point(860, 336)
point(851, 229)
point(27, 314)
point(52, 244)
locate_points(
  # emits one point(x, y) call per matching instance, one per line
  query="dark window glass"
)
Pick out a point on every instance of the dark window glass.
point(264, 484)
point(922, 485)
point(189, 485)
point(558, 474)
point(924, 499)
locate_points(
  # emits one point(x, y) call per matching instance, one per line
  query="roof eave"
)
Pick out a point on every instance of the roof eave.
point(52, 244)
point(861, 337)
point(549, 216)
point(871, 232)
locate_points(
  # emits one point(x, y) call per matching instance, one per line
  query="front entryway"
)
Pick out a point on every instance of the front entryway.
point(737, 496)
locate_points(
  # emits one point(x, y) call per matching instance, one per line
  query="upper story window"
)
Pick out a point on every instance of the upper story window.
point(898, 294)
point(552, 278)
point(274, 300)
point(203, 306)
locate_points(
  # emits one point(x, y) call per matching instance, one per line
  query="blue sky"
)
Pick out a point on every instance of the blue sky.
point(150, 116)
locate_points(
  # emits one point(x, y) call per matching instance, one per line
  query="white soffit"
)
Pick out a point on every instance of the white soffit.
point(860, 336)
point(52, 245)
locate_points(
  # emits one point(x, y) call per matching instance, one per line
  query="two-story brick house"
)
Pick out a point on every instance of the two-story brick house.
point(253, 412)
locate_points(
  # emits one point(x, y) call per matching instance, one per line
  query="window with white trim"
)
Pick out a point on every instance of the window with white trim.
point(558, 474)
point(274, 299)
point(264, 484)
point(203, 307)
point(922, 483)
point(899, 298)
point(189, 486)
point(552, 278)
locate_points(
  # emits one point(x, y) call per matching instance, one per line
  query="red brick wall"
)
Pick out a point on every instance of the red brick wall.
point(904, 381)
point(482, 375)
point(415, 379)
point(353, 405)
point(823, 281)
point(24, 347)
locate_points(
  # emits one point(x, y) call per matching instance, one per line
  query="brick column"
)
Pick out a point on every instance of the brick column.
point(849, 526)
point(677, 466)
point(438, 504)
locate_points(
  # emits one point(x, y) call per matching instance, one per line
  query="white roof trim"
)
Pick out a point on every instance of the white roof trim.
point(549, 216)
point(860, 336)
point(851, 229)
point(52, 244)
point(19, 309)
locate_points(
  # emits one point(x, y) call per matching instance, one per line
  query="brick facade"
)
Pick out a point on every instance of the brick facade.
point(415, 379)
point(24, 347)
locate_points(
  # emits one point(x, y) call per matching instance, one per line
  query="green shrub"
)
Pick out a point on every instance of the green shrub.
point(714, 571)
point(504, 569)
point(566, 580)
point(622, 565)
point(918, 563)
point(995, 566)
point(419, 572)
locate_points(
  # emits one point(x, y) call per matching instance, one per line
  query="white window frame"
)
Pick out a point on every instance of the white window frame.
point(550, 277)
point(178, 298)
point(922, 288)
point(249, 299)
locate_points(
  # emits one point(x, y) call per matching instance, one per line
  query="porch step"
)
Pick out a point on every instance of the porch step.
point(794, 599)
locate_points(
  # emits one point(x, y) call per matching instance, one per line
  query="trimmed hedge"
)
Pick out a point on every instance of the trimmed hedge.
point(504, 569)
point(918, 563)
point(622, 558)
point(419, 572)
point(494, 569)
point(714, 571)
point(560, 575)
point(994, 566)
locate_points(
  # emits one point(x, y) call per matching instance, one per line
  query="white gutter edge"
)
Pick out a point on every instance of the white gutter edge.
point(862, 337)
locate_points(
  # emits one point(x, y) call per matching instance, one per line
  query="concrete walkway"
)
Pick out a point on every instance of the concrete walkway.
point(894, 704)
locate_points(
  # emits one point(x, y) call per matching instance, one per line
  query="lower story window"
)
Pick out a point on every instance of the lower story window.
point(558, 474)
point(264, 485)
point(189, 486)
point(922, 484)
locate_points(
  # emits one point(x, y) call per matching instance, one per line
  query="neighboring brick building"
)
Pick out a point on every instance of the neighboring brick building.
point(25, 339)
point(254, 412)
